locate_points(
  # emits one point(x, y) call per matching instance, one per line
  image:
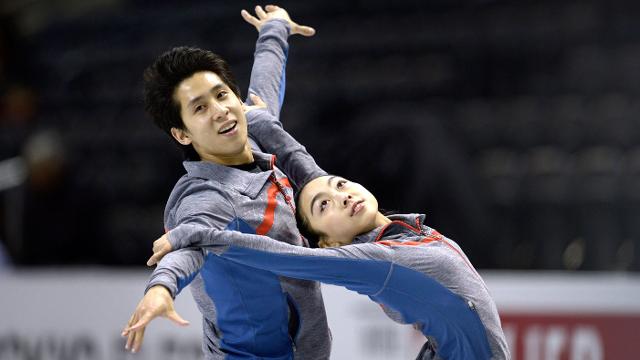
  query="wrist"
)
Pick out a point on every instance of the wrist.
point(277, 22)
point(160, 290)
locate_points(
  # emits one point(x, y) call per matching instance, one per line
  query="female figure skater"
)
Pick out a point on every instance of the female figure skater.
point(418, 275)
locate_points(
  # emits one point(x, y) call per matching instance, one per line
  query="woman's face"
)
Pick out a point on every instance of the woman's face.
point(338, 208)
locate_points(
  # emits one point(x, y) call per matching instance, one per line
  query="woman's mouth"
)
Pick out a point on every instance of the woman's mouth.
point(357, 206)
point(228, 129)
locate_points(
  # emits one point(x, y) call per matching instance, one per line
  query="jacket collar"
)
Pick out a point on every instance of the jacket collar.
point(400, 223)
point(245, 182)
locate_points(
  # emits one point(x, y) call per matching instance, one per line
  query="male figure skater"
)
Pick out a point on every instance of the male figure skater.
point(191, 95)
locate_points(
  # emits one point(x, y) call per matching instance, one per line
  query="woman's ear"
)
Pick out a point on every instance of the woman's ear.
point(181, 136)
point(327, 243)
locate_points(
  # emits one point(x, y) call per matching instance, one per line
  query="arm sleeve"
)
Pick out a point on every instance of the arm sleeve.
point(361, 267)
point(268, 79)
point(291, 156)
point(202, 210)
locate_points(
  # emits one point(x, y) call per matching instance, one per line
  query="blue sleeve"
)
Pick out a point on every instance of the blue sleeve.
point(362, 267)
point(203, 209)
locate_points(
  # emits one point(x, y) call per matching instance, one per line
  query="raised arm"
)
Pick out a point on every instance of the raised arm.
point(268, 77)
point(291, 156)
point(268, 82)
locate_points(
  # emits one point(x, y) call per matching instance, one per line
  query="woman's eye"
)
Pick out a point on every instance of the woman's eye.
point(199, 108)
point(340, 184)
point(222, 94)
point(323, 205)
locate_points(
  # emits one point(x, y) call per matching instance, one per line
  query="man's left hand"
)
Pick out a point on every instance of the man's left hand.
point(275, 12)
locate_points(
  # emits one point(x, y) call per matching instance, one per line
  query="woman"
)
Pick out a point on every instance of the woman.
point(419, 276)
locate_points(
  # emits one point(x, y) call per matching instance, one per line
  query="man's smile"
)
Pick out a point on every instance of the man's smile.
point(228, 128)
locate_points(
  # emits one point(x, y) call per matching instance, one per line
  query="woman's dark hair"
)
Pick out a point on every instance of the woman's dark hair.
point(312, 235)
point(162, 77)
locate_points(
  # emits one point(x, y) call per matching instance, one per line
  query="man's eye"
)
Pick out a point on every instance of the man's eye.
point(340, 184)
point(222, 94)
point(323, 205)
point(199, 108)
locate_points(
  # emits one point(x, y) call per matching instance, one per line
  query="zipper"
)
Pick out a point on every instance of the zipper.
point(287, 199)
point(293, 344)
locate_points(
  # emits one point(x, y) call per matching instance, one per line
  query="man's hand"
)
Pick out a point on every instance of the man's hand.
point(156, 302)
point(257, 104)
point(275, 12)
point(161, 247)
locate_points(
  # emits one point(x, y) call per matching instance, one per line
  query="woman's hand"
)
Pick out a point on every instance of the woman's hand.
point(257, 104)
point(161, 247)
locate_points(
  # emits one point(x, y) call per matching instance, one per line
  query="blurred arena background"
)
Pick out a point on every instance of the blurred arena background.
point(517, 122)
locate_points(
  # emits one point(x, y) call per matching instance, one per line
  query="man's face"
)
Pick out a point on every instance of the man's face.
point(338, 208)
point(214, 119)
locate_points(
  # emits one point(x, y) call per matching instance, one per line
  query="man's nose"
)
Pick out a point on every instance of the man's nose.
point(219, 112)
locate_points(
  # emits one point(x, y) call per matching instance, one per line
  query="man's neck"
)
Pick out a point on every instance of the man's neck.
point(245, 157)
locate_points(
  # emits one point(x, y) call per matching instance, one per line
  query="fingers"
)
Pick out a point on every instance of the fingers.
point(136, 341)
point(132, 319)
point(130, 339)
point(161, 247)
point(303, 30)
point(250, 19)
point(146, 318)
point(271, 8)
point(173, 316)
point(134, 334)
point(162, 244)
point(153, 259)
point(260, 12)
point(257, 101)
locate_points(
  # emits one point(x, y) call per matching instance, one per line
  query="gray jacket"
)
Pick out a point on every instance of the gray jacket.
point(247, 313)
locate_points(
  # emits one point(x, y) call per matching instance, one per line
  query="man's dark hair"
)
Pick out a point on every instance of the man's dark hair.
point(162, 77)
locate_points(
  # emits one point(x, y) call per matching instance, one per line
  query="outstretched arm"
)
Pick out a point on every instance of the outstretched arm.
point(362, 267)
point(178, 269)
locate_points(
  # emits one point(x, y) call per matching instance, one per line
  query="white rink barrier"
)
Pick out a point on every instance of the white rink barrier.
point(54, 314)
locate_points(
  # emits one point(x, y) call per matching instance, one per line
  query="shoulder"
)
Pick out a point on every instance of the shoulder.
point(194, 196)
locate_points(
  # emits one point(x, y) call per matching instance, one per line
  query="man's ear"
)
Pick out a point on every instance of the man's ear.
point(181, 136)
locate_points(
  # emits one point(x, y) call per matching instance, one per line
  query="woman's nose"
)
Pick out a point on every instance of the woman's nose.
point(345, 200)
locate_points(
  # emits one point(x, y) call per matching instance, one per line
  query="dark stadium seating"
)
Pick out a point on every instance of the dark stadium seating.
point(512, 125)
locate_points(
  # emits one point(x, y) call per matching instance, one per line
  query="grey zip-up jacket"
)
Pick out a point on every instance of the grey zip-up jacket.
point(247, 313)
point(419, 276)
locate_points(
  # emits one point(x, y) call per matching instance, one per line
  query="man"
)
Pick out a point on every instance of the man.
point(191, 94)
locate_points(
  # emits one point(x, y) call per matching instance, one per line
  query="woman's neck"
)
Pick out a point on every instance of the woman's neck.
point(381, 220)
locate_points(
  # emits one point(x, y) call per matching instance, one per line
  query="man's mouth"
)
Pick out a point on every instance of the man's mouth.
point(357, 206)
point(228, 128)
